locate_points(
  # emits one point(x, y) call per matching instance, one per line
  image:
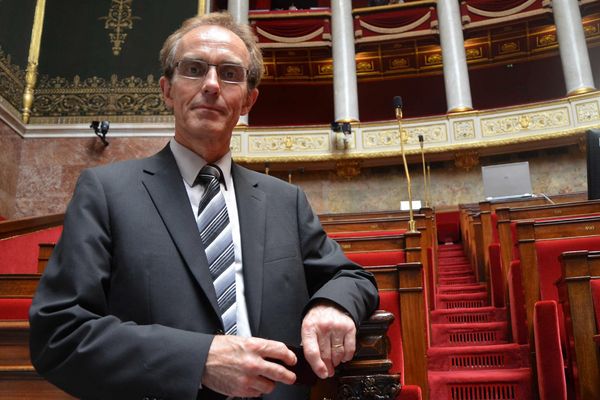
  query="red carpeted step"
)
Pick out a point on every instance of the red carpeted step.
point(466, 300)
point(452, 261)
point(465, 288)
point(455, 268)
point(511, 384)
point(469, 334)
point(456, 280)
point(449, 247)
point(451, 254)
point(454, 274)
point(499, 356)
point(468, 315)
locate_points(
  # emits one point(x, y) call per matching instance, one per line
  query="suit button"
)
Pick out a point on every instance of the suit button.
point(219, 332)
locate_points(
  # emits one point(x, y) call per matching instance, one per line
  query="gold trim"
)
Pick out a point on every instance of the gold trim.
point(201, 7)
point(389, 7)
point(127, 96)
point(12, 82)
point(291, 14)
point(118, 20)
point(32, 60)
point(459, 109)
point(348, 120)
point(582, 90)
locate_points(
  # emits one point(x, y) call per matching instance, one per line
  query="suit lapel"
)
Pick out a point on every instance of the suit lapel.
point(251, 204)
point(165, 186)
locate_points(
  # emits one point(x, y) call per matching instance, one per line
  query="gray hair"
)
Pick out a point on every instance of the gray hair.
point(224, 20)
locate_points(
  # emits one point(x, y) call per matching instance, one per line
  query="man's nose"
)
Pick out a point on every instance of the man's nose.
point(211, 82)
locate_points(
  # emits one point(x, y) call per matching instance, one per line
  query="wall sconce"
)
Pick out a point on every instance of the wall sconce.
point(101, 129)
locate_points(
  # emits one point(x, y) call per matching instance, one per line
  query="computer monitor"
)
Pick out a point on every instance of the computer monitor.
point(506, 180)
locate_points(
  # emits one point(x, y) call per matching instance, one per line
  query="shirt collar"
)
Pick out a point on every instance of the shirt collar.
point(190, 163)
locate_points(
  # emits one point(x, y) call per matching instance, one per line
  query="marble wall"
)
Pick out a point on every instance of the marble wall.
point(37, 176)
point(10, 157)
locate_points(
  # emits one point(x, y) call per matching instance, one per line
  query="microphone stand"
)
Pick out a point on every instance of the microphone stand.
point(411, 220)
point(428, 193)
point(424, 171)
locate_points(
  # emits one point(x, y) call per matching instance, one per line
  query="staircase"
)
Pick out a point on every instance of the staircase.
point(471, 356)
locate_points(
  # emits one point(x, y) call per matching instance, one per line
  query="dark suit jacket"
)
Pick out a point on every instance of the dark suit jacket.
point(126, 308)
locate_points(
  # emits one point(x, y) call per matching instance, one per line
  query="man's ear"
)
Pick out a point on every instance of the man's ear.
point(250, 100)
point(165, 88)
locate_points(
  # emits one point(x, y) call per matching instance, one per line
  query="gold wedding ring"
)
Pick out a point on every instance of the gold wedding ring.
point(337, 346)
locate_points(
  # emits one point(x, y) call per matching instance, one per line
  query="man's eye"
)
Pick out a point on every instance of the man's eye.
point(194, 69)
point(232, 73)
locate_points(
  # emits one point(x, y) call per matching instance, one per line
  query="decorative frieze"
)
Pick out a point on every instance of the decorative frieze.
point(390, 138)
point(587, 112)
point(98, 96)
point(288, 143)
point(464, 130)
point(12, 81)
point(520, 122)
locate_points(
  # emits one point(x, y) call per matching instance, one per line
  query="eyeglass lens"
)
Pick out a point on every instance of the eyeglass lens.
point(197, 69)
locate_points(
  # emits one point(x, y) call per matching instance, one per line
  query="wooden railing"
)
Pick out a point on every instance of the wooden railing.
point(14, 227)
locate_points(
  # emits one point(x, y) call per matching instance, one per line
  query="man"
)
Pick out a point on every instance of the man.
point(132, 304)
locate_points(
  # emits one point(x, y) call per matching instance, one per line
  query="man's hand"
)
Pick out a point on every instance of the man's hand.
point(328, 338)
point(237, 366)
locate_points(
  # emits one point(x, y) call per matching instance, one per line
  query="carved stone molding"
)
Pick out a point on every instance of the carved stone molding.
point(390, 138)
point(531, 121)
point(464, 129)
point(466, 160)
point(281, 143)
point(587, 112)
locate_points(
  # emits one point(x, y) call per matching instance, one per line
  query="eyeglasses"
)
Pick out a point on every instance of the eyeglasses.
point(197, 69)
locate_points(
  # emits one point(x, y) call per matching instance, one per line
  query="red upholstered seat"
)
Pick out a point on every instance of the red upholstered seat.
point(375, 258)
point(549, 268)
point(518, 316)
point(448, 226)
point(14, 308)
point(496, 275)
point(389, 301)
point(548, 352)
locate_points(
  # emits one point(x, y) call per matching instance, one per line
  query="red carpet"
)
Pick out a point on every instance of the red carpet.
point(471, 356)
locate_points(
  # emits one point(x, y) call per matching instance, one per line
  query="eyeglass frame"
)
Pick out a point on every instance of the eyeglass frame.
point(246, 70)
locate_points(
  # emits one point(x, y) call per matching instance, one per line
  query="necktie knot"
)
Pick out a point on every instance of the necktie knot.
point(209, 173)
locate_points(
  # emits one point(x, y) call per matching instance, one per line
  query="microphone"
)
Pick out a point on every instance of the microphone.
point(397, 102)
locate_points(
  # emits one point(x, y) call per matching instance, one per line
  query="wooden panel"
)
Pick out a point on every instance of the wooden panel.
point(14, 227)
point(579, 267)
point(18, 285)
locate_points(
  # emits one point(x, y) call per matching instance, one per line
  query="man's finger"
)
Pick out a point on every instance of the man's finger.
point(349, 345)
point(312, 353)
point(337, 351)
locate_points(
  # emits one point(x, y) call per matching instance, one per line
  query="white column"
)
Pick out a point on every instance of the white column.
point(456, 74)
point(239, 11)
point(572, 46)
point(345, 91)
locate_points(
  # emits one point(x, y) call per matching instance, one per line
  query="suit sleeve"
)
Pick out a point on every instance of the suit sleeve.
point(78, 345)
point(330, 274)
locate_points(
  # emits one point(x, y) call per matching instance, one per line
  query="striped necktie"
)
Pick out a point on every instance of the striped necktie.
point(215, 232)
